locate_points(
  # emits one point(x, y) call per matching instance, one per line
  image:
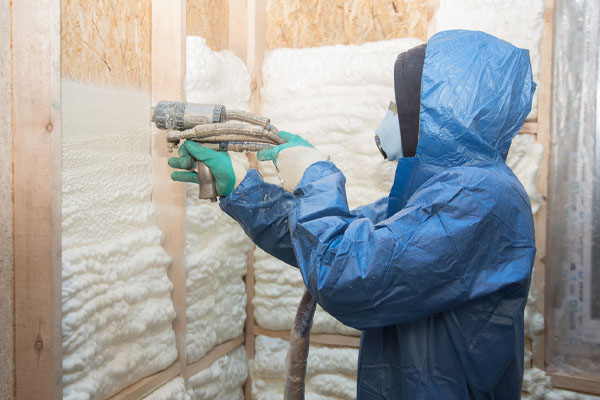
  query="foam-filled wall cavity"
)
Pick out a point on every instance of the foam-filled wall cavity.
point(222, 380)
point(173, 390)
point(524, 158)
point(117, 310)
point(516, 21)
point(335, 97)
point(216, 248)
point(330, 374)
point(278, 289)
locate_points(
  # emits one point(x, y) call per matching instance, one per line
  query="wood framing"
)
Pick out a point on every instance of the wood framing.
point(149, 384)
point(544, 116)
point(168, 73)
point(332, 340)
point(213, 355)
point(36, 132)
point(576, 383)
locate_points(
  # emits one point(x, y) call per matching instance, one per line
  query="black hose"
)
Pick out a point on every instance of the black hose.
point(297, 355)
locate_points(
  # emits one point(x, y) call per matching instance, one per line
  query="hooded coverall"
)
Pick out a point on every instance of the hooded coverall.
point(436, 275)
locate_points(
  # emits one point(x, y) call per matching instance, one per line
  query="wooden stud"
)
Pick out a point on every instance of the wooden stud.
point(168, 72)
point(544, 116)
point(213, 355)
point(576, 383)
point(257, 14)
point(331, 340)
point(250, 322)
point(148, 384)
point(238, 27)
point(36, 133)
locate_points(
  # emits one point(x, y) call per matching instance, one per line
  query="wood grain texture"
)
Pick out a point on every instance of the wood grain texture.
point(238, 27)
point(168, 43)
point(307, 23)
point(209, 19)
point(330, 340)
point(7, 368)
point(213, 355)
point(544, 117)
point(36, 133)
point(576, 383)
point(250, 323)
point(106, 42)
point(147, 385)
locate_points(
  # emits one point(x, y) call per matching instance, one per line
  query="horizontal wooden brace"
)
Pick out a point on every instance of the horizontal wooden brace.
point(213, 355)
point(333, 340)
point(576, 383)
point(149, 384)
point(529, 127)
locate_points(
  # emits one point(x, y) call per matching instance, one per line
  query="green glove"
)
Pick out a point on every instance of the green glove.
point(291, 141)
point(291, 158)
point(227, 173)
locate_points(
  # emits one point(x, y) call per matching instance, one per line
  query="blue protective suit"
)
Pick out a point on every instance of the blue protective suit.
point(437, 274)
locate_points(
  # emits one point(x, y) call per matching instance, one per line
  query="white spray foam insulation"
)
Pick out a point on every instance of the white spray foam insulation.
point(278, 290)
point(223, 380)
point(331, 372)
point(116, 303)
point(516, 21)
point(524, 158)
point(334, 97)
point(172, 390)
point(216, 247)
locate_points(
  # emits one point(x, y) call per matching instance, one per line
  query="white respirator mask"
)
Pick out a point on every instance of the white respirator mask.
point(387, 135)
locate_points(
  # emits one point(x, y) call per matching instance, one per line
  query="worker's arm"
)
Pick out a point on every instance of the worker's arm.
point(262, 210)
point(438, 252)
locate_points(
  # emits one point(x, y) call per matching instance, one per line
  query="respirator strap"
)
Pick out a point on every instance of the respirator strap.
point(408, 71)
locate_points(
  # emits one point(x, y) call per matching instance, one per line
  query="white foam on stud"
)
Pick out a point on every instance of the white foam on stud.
point(516, 21)
point(223, 380)
point(330, 374)
point(116, 305)
point(216, 248)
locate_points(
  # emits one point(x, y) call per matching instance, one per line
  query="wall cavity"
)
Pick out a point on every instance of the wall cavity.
point(116, 304)
point(223, 380)
point(216, 247)
point(331, 372)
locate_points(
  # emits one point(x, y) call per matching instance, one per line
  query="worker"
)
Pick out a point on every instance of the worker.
point(436, 275)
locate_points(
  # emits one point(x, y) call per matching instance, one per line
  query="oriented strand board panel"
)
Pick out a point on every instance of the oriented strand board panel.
point(307, 23)
point(106, 42)
point(209, 19)
point(6, 233)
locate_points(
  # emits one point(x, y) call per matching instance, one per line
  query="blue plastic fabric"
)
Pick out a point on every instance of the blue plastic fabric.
point(437, 274)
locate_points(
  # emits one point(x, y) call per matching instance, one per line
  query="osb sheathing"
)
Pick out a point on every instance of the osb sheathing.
point(106, 42)
point(306, 23)
point(209, 19)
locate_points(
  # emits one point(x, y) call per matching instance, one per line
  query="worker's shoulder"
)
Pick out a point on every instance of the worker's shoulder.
point(492, 183)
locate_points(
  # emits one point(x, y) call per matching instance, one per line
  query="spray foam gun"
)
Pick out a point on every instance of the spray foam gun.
point(216, 128)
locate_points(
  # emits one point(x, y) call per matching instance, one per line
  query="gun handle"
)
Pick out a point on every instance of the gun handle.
point(206, 182)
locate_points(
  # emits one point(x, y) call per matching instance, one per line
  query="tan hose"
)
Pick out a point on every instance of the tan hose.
point(297, 355)
point(250, 118)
